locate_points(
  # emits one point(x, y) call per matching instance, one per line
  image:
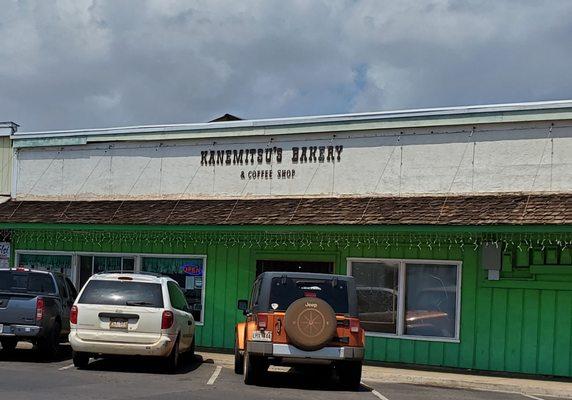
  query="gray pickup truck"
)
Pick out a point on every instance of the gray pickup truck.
point(34, 307)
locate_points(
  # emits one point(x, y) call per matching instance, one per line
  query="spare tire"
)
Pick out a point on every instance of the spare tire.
point(310, 323)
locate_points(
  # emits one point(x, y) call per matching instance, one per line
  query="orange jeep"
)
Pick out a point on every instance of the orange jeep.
point(300, 318)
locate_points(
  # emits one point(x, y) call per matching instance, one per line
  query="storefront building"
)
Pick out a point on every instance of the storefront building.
point(456, 223)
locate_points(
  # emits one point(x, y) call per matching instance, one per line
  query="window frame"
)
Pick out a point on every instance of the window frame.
point(401, 296)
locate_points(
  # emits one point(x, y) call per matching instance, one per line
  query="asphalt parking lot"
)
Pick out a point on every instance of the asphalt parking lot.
point(23, 375)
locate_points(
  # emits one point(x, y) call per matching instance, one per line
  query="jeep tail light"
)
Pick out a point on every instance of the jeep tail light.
point(262, 321)
point(73, 315)
point(40, 305)
point(354, 325)
point(167, 319)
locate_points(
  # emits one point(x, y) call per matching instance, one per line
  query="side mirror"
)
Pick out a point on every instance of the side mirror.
point(243, 305)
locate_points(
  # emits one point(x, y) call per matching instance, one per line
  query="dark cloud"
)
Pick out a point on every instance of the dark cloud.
point(82, 64)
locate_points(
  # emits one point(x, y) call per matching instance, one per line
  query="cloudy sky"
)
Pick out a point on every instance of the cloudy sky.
point(69, 64)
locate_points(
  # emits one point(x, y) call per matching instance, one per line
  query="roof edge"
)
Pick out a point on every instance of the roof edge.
point(430, 114)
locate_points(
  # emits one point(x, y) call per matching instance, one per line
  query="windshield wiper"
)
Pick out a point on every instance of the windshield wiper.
point(138, 303)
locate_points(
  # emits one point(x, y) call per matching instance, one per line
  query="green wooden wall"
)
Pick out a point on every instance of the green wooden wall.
point(521, 323)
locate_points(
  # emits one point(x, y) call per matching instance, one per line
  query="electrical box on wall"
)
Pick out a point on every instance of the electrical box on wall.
point(491, 260)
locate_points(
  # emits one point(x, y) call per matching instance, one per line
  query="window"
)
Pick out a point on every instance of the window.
point(71, 289)
point(177, 297)
point(189, 273)
point(62, 287)
point(120, 293)
point(377, 288)
point(47, 262)
point(27, 282)
point(254, 294)
point(94, 264)
point(284, 291)
point(408, 298)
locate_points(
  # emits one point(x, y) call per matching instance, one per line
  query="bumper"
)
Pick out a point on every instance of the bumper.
point(290, 352)
point(161, 348)
point(20, 331)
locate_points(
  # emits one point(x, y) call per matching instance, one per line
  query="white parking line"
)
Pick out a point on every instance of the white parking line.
point(375, 392)
point(214, 375)
point(532, 397)
point(66, 367)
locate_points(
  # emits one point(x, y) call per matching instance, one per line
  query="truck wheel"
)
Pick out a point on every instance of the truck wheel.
point(238, 360)
point(254, 367)
point(349, 373)
point(80, 359)
point(9, 344)
point(49, 345)
point(173, 360)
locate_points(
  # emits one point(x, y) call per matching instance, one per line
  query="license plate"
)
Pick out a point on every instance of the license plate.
point(262, 336)
point(118, 323)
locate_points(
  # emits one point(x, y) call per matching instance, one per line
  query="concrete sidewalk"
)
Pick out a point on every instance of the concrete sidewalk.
point(530, 387)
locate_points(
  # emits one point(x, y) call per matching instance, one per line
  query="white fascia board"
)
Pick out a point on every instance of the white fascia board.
point(470, 115)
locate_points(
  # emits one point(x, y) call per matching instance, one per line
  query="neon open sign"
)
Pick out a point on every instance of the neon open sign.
point(192, 270)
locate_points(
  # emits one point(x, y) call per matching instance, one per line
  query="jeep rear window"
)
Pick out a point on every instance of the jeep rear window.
point(30, 282)
point(284, 291)
point(122, 293)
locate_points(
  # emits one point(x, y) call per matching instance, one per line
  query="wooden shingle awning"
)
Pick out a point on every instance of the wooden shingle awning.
point(501, 209)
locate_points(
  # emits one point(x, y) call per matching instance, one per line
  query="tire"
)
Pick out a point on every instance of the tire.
point(191, 353)
point(254, 367)
point(174, 359)
point(349, 373)
point(49, 345)
point(238, 360)
point(9, 345)
point(80, 359)
point(310, 323)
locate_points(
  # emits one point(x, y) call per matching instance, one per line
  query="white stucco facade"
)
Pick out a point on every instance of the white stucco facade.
point(531, 156)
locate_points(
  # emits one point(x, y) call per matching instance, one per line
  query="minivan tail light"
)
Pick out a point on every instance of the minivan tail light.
point(354, 325)
point(262, 321)
point(73, 315)
point(40, 305)
point(167, 319)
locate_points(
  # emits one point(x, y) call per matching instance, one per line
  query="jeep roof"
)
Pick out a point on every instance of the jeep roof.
point(265, 280)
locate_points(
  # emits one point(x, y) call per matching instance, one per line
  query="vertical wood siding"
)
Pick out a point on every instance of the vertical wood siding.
point(504, 326)
point(5, 166)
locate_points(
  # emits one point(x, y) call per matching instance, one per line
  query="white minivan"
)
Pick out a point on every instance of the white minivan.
point(131, 314)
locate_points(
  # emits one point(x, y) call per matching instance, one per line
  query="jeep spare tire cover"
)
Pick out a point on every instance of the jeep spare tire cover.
point(310, 323)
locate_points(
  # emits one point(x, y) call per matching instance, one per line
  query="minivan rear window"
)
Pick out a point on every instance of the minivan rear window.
point(29, 282)
point(284, 291)
point(122, 293)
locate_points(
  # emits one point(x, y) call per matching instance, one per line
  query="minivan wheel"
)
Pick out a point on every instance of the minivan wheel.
point(192, 350)
point(349, 373)
point(80, 359)
point(173, 359)
point(254, 367)
point(8, 345)
point(238, 361)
